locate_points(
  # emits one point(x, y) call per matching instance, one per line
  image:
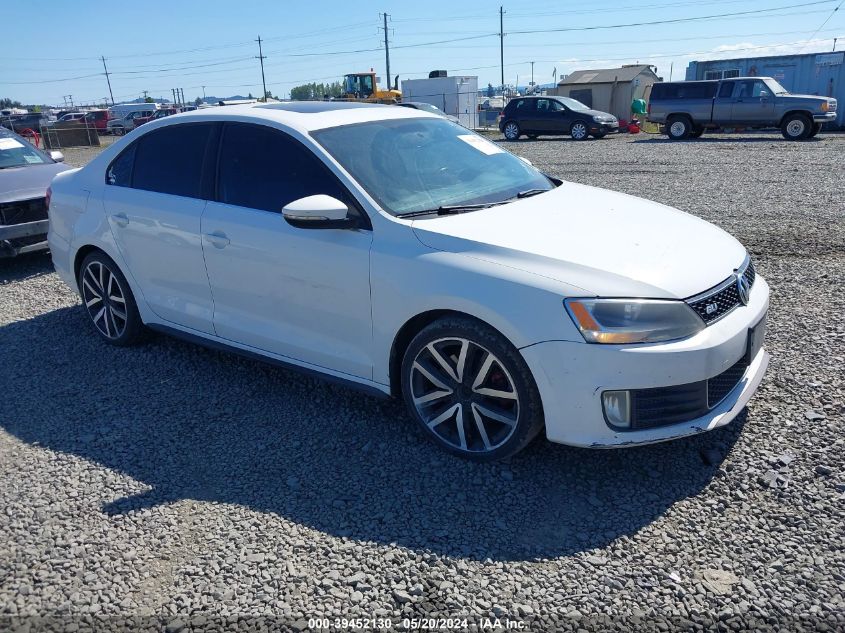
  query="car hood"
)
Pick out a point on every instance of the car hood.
point(599, 241)
point(29, 181)
point(593, 113)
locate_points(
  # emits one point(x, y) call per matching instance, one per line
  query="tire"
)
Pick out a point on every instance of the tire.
point(817, 127)
point(118, 322)
point(678, 128)
point(118, 130)
point(697, 132)
point(599, 135)
point(579, 131)
point(443, 393)
point(511, 131)
point(796, 127)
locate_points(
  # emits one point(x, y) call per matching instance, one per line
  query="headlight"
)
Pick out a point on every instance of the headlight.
point(633, 320)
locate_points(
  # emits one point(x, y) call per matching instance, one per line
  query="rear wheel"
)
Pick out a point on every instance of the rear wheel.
point(108, 301)
point(119, 130)
point(511, 131)
point(796, 127)
point(470, 390)
point(678, 128)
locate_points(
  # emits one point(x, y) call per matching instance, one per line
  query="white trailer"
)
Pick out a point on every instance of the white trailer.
point(456, 95)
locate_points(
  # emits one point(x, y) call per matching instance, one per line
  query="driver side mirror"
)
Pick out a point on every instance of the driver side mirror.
point(319, 212)
point(57, 156)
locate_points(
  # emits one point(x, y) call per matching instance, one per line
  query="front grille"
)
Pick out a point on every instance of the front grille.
point(22, 211)
point(651, 408)
point(717, 302)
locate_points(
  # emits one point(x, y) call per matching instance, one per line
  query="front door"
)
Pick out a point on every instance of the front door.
point(753, 102)
point(300, 293)
point(153, 200)
point(552, 117)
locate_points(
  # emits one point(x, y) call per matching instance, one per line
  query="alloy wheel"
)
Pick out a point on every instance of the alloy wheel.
point(512, 131)
point(579, 131)
point(104, 299)
point(464, 395)
point(795, 128)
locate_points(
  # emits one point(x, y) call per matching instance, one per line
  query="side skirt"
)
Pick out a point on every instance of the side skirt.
point(223, 347)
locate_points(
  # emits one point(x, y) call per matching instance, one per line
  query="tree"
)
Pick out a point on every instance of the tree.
point(149, 100)
point(197, 101)
point(316, 91)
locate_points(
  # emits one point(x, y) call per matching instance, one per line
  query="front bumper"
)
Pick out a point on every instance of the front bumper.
point(571, 377)
point(604, 128)
point(17, 239)
point(827, 117)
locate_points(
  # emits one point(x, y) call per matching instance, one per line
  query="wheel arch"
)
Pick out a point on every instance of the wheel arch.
point(789, 113)
point(414, 326)
point(82, 253)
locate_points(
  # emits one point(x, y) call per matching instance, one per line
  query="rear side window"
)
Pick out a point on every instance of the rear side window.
point(683, 90)
point(170, 160)
point(263, 168)
point(523, 105)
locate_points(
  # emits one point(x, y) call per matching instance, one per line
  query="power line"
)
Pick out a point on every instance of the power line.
point(826, 21)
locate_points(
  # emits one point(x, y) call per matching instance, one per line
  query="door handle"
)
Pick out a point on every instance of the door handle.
point(120, 219)
point(217, 239)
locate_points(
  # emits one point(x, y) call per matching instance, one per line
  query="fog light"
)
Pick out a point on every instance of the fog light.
point(617, 408)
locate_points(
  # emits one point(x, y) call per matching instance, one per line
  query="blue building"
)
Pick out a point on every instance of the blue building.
point(814, 74)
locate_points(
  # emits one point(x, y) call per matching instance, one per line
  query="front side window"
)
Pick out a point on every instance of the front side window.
point(262, 168)
point(170, 160)
point(415, 165)
point(725, 90)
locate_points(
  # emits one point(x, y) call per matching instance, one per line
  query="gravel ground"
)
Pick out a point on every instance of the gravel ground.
point(171, 487)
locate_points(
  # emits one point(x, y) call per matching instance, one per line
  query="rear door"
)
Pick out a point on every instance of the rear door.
point(154, 197)
point(753, 102)
point(299, 293)
point(525, 113)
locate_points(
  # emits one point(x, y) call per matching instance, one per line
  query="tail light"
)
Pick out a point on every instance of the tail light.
point(48, 196)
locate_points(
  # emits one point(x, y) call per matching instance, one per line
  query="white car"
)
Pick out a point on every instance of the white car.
point(396, 251)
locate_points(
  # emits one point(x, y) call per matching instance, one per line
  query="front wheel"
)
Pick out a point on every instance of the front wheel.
point(579, 131)
point(470, 390)
point(796, 127)
point(512, 131)
point(108, 301)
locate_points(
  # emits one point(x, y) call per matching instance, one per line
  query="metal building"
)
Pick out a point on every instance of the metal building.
point(820, 74)
point(456, 95)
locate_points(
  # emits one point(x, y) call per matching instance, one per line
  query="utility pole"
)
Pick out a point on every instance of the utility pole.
point(386, 49)
point(532, 75)
point(834, 43)
point(502, 45)
point(108, 81)
point(671, 68)
point(182, 98)
point(145, 94)
point(261, 58)
point(203, 93)
point(173, 95)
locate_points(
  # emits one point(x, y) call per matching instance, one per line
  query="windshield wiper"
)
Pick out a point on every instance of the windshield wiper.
point(450, 209)
point(531, 192)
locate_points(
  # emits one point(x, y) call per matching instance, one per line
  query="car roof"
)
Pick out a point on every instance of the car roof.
point(304, 116)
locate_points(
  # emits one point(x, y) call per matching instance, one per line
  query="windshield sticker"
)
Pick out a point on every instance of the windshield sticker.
point(481, 144)
point(9, 143)
point(31, 159)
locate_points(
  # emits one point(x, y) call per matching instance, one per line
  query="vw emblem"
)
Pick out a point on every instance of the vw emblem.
point(742, 289)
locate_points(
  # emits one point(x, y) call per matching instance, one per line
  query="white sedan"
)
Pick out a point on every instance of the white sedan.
point(397, 252)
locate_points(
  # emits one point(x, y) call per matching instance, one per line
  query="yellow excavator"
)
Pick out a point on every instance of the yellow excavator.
point(363, 87)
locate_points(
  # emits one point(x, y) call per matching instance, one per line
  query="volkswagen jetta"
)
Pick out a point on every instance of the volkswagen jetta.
point(398, 252)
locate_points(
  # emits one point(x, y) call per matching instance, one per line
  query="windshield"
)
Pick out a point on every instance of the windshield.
point(15, 153)
point(413, 165)
point(775, 86)
point(572, 104)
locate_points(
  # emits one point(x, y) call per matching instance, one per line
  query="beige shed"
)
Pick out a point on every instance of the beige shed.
point(609, 89)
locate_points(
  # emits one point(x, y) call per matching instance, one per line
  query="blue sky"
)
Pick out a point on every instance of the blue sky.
point(190, 44)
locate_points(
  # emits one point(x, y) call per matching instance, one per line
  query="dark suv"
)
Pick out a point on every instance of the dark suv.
point(554, 116)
